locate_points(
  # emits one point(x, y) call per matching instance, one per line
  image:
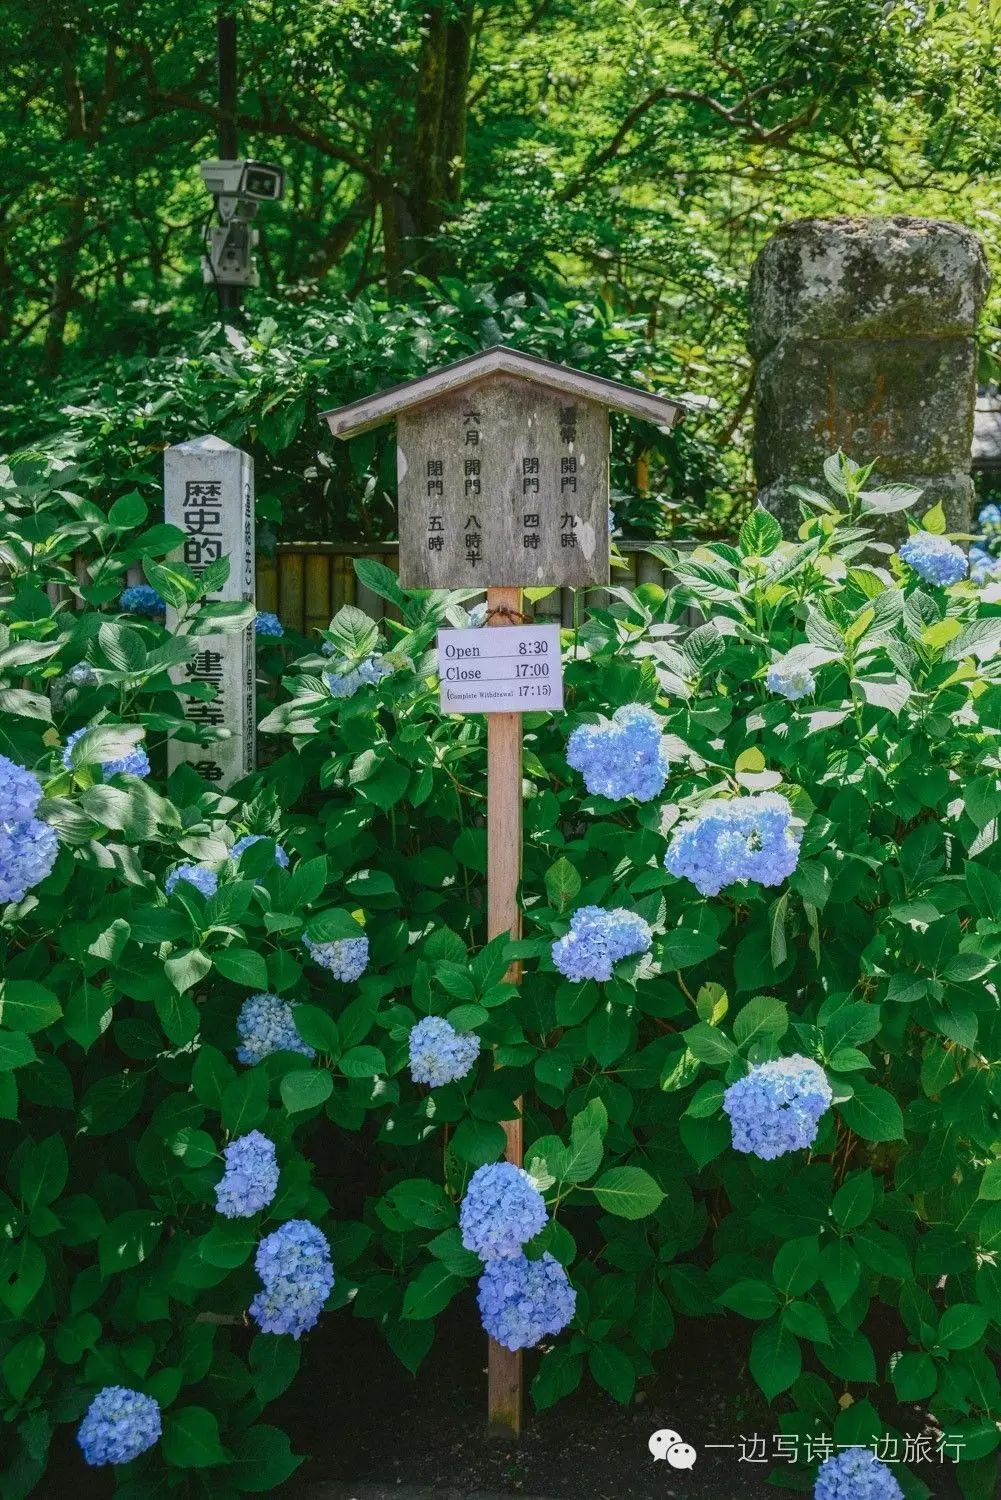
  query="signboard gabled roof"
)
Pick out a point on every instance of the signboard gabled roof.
point(359, 416)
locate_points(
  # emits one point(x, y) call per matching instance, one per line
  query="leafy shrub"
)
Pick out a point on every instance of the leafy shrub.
point(873, 956)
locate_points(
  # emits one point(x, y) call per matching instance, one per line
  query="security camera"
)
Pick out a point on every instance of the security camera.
point(239, 187)
point(254, 181)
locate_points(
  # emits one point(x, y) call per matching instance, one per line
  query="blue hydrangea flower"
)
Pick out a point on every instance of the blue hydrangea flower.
point(281, 858)
point(856, 1474)
point(82, 674)
point(200, 876)
point(478, 615)
point(266, 1024)
point(934, 558)
point(439, 1054)
point(135, 764)
point(295, 1266)
point(142, 599)
point(27, 853)
point(251, 1177)
point(266, 623)
point(119, 1425)
point(990, 517)
point(501, 1211)
point(346, 958)
point(790, 682)
point(743, 838)
point(776, 1107)
point(346, 680)
point(20, 792)
point(624, 756)
point(597, 940)
point(522, 1300)
point(984, 566)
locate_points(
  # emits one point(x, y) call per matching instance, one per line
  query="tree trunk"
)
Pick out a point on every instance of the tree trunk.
point(439, 139)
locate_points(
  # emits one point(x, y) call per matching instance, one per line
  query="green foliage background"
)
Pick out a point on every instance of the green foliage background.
point(628, 157)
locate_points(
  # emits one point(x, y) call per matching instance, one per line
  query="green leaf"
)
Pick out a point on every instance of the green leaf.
point(43, 1172)
point(185, 970)
point(262, 1458)
point(990, 1183)
point(422, 1202)
point(613, 1371)
point(245, 1101)
point(22, 1363)
point(129, 1240)
point(873, 1114)
point(191, 1438)
point(229, 1243)
point(211, 1075)
point(797, 1266)
point(16, 1050)
point(430, 1292)
point(27, 1006)
point(362, 1062)
point(243, 967)
point(853, 1202)
point(317, 1029)
point(478, 1141)
point(709, 1044)
point(760, 533)
point(629, 1192)
point(962, 1325)
point(305, 1089)
point(775, 1360)
point(914, 1377)
point(562, 884)
point(762, 1016)
point(752, 1299)
point(332, 926)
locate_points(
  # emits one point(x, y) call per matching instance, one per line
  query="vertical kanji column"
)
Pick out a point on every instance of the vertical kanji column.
point(208, 490)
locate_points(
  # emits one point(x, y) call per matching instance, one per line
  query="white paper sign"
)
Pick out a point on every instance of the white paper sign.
point(510, 669)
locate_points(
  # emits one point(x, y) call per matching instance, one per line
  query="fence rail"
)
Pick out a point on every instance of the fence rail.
point(305, 583)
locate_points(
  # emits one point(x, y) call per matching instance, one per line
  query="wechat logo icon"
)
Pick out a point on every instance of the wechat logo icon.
point(671, 1447)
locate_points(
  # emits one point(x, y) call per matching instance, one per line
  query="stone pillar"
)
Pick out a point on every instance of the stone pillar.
point(863, 330)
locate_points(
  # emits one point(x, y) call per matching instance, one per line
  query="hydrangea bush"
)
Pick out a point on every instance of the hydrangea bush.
point(773, 1101)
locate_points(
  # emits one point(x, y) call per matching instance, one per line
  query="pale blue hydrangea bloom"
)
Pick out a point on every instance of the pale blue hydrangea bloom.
point(266, 1024)
point(624, 756)
point(82, 674)
point(346, 958)
point(251, 1177)
point(790, 682)
point(142, 599)
point(268, 624)
point(439, 1054)
point(743, 838)
point(501, 1211)
point(119, 1425)
point(776, 1107)
point(346, 680)
point(856, 1474)
point(597, 940)
point(295, 1266)
point(934, 558)
point(20, 792)
point(201, 877)
point(134, 764)
point(990, 518)
point(478, 615)
point(27, 853)
point(522, 1300)
point(281, 857)
point(984, 566)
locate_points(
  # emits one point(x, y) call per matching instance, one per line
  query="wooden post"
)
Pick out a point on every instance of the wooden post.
point(504, 1368)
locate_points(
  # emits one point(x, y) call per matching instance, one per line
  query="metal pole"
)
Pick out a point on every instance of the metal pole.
point(230, 297)
point(504, 841)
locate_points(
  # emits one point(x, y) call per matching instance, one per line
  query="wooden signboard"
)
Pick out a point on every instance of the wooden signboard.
point(208, 493)
point(502, 464)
